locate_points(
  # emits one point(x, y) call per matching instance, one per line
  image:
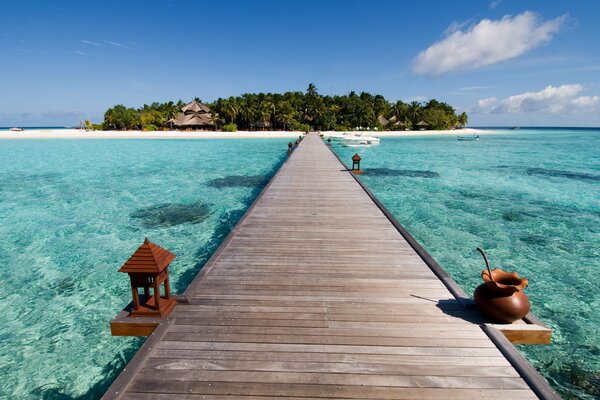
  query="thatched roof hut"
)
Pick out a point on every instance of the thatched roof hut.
point(382, 120)
point(194, 115)
point(422, 125)
point(195, 107)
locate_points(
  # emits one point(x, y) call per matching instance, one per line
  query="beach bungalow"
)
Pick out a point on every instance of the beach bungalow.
point(260, 125)
point(194, 115)
point(400, 125)
point(422, 125)
point(383, 121)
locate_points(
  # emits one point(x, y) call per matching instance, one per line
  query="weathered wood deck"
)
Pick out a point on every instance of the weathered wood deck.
point(316, 294)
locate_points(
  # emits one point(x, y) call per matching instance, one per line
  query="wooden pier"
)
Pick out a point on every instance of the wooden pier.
point(319, 293)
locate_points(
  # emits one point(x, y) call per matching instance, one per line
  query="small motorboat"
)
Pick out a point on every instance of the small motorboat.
point(360, 140)
point(16, 129)
point(471, 138)
point(338, 135)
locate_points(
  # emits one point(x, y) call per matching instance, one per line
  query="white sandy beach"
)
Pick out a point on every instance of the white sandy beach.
point(82, 134)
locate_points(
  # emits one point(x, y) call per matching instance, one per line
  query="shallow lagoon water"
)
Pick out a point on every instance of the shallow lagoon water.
point(530, 198)
point(72, 211)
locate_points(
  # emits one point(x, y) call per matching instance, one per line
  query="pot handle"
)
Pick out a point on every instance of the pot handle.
point(487, 264)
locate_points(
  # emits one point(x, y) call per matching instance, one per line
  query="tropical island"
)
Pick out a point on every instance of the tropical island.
point(290, 111)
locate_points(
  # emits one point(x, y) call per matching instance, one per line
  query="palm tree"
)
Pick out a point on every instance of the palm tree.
point(247, 112)
point(463, 118)
point(265, 112)
point(230, 109)
point(285, 114)
point(414, 112)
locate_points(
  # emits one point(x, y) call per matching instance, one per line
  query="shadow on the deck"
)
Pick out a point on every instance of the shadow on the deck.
point(454, 308)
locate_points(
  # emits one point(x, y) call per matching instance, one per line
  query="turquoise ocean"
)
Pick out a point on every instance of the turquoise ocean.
point(72, 211)
point(531, 199)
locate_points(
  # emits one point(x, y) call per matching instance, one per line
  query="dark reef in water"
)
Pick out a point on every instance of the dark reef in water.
point(516, 216)
point(557, 173)
point(64, 286)
point(239, 180)
point(401, 172)
point(534, 240)
point(162, 215)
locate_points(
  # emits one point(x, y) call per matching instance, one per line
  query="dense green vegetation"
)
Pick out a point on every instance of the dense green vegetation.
point(296, 111)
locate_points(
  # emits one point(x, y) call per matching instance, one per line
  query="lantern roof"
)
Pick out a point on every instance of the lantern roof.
point(148, 258)
point(356, 157)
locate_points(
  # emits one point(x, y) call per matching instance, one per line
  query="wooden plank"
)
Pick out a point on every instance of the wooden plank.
point(413, 369)
point(198, 329)
point(317, 293)
point(331, 348)
point(281, 356)
point(352, 379)
point(177, 389)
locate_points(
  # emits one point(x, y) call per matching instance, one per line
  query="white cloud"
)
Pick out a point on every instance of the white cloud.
point(90, 43)
point(456, 26)
point(485, 105)
point(117, 44)
point(81, 53)
point(495, 3)
point(563, 99)
point(488, 42)
point(471, 88)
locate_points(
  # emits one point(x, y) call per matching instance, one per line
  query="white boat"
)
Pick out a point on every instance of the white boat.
point(338, 135)
point(16, 129)
point(474, 137)
point(360, 140)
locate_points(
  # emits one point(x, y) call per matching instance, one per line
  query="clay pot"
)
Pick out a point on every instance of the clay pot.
point(502, 298)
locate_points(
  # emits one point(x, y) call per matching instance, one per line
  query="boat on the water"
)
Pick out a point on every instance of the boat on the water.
point(16, 129)
point(473, 137)
point(360, 140)
point(339, 135)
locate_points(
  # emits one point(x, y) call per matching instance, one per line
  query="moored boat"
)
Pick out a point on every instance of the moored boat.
point(360, 140)
point(474, 137)
point(16, 129)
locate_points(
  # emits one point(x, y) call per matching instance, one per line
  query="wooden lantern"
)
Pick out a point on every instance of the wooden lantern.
point(356, 164)
point(148, 269)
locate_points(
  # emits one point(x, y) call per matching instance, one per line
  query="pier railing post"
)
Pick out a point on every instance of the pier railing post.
point(356, 164)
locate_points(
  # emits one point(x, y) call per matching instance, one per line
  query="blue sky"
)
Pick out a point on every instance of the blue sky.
point(504, 62)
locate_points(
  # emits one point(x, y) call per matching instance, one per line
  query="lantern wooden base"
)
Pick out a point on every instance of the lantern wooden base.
point(357, 171)
point(130, 323)
point(148, 309)
point(126, 325)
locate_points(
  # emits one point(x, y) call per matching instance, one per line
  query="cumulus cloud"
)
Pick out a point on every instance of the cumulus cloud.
point(485, 105)
point(488, 42)
point(554, 100)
